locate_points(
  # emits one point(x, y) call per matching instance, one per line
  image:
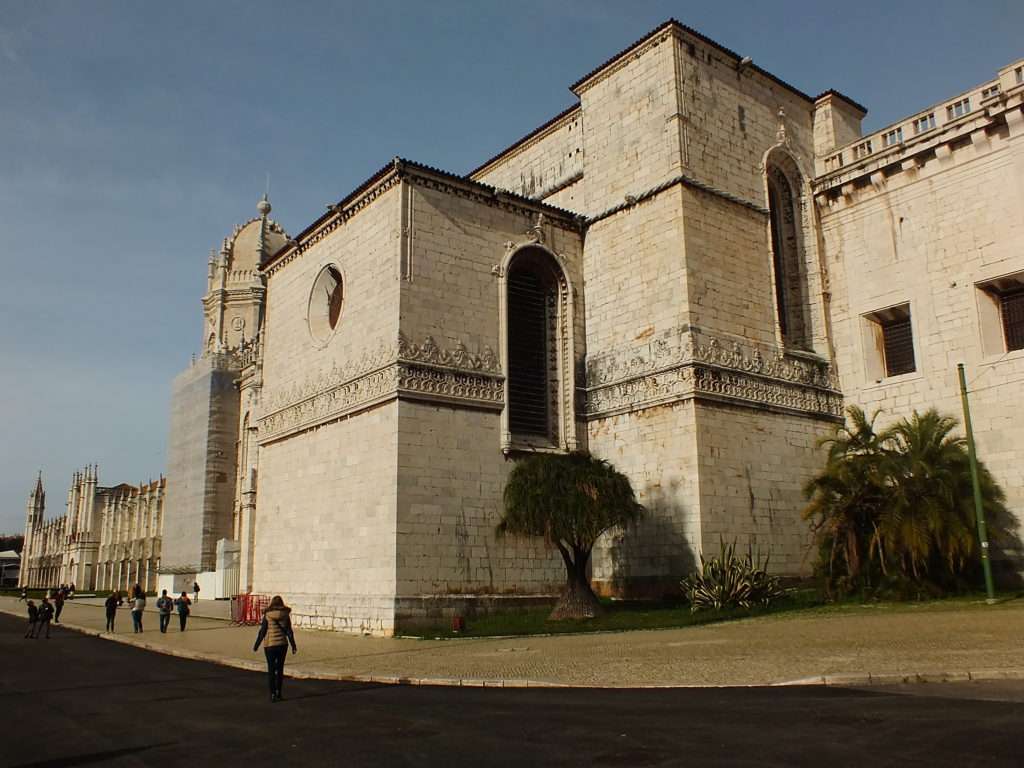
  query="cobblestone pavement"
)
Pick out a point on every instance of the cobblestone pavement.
point(932, 641)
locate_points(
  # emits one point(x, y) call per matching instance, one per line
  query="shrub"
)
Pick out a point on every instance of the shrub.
point(727, 581)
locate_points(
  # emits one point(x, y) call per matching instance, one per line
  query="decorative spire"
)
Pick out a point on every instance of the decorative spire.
point(38, 492)
point(264, 208)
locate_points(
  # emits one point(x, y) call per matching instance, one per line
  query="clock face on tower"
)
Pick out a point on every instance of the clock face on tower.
point(325, 303)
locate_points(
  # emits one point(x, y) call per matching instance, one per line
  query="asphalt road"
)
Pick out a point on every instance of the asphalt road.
point(79, 700)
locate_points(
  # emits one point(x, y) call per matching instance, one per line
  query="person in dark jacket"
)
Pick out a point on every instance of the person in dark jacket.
point(58, 605)
point(276, 634)
point(33, 619)
point(112, 603)
point(183, 604)
point(45, 615)
point(165, 605)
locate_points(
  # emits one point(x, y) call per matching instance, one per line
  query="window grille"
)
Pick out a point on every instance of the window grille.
point(1011, 309)
point(924, 123)
point(898, 341)
point(528, 323)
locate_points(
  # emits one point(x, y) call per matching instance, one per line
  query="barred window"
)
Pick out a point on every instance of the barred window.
point(889, 343)
point(1011, 310)
point(534, 281)
point(899, 347)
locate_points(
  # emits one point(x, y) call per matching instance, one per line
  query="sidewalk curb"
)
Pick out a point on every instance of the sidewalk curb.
point(852, 679)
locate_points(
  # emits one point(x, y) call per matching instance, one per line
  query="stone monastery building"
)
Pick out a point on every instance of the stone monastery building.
point(689, 272)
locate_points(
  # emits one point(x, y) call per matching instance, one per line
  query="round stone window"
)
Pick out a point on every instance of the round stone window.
point(325, 303)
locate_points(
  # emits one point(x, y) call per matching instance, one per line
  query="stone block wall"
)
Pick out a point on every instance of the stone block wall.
point(325, 522)
point(753, 467)
point(941, 220)
point(657, 449)
point(543, 165)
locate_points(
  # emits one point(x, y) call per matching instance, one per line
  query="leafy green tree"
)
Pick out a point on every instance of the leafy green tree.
point(568, 500)
point(897, 506)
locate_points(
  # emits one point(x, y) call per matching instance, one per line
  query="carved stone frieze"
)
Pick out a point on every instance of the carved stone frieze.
point(457, 357)
point(420, 371)
point(686, 362)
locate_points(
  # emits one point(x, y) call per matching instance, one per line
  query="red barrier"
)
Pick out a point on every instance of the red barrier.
point(248, 609)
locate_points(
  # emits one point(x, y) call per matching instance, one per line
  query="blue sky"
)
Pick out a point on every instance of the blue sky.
point(134, 136)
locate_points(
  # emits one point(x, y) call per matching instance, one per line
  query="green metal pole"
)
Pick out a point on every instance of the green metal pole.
point(978, 509)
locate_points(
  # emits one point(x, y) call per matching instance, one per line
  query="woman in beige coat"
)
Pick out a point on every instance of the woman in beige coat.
point(276, 634)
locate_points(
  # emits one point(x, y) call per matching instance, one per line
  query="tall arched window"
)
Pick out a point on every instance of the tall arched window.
point(792, 299)
point(536, 289)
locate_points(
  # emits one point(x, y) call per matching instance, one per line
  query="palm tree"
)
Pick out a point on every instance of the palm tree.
point(929, 525)
point(898, 504)
point(568, 500)
point(846, 499)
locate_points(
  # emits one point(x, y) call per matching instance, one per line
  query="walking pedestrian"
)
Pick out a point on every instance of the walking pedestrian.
point(112, 603)
point(24, 595)
point(58, 605)
point(138, 606)
point(33, 619)
point(164, 605)
point(45, 615)
point(276, 635)
point(182, 603)
point(195, 591)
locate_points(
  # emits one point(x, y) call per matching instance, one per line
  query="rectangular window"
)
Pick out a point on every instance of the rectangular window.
point(1020, 74)
point(1011, 311)
point(889, 343)
point(893, 137)
point(924, 123)
point(992, 90)
point(958, 108)
point(862, 150)
point(899, 347)
point(1001, 314)
point(834, 163)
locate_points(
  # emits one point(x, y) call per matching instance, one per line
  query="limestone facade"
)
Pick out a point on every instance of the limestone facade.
point(108, 538)
point(689, 272)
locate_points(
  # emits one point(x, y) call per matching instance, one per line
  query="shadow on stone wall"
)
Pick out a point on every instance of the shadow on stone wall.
point(647, 560)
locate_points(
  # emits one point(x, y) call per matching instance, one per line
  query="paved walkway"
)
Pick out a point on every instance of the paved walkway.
point(933, 641)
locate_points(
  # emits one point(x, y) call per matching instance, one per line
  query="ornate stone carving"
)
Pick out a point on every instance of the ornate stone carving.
point(457, 357)
point(689, 363)
point(422, 371)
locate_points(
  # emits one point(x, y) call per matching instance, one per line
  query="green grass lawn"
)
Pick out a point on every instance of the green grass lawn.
point(624, 615)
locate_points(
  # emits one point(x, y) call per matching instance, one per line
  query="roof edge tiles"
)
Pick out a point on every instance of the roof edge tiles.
point(532, 134)
point(401, 167)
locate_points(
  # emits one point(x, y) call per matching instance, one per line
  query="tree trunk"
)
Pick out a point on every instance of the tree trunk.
point(577, 600)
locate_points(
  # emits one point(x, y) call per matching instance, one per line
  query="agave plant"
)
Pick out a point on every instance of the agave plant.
point(728, 581)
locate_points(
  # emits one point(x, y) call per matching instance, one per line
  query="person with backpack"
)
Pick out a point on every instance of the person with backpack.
point(276, 634)
point(165, 605)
